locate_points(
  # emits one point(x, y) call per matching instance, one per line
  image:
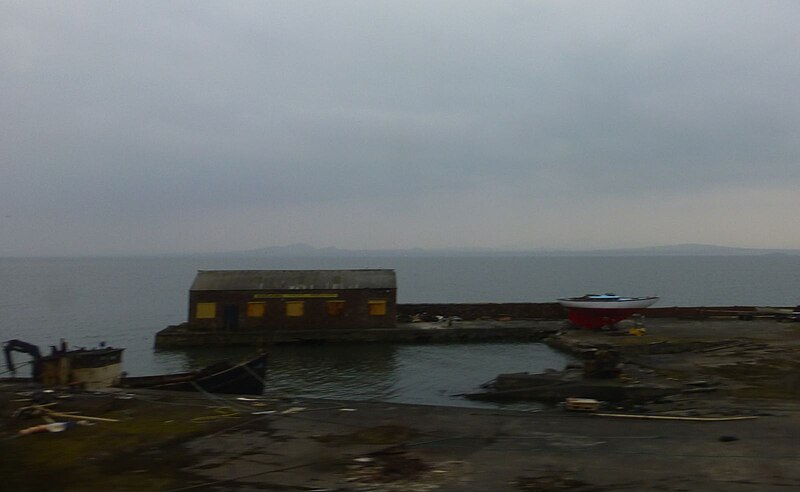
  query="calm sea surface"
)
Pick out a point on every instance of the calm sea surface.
point(125, 301)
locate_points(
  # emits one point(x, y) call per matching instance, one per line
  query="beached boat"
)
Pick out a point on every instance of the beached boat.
point(246, 378)
point(77, 368)
point(101, 367)
point(598, 310)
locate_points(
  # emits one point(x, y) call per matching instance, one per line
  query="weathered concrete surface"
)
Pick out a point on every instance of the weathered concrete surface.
point(166, 441)
point(179, 442)
point(759, 358)
point(708, 362)
point(481, 322)
point(553, 310)
point(424, 332)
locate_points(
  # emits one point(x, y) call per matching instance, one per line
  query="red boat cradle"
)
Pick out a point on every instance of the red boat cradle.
point(598, 318)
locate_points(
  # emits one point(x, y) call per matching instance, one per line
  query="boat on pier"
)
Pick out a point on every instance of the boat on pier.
point(594, 311)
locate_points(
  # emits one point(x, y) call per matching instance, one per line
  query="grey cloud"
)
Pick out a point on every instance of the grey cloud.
point(146, 106)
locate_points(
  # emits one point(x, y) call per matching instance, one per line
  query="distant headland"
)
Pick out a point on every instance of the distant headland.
point(306, 250)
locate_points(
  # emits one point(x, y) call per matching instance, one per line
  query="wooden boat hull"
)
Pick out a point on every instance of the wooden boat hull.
point(246, 378)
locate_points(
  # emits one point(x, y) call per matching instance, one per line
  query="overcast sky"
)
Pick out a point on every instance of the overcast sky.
point(195, 126)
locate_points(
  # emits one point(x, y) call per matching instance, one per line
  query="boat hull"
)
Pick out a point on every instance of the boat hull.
point(242, 379)
point(85, 369)
point(597, 312)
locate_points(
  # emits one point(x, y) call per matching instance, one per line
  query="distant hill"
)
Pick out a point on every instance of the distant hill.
point(690, 250)
point(306, 250)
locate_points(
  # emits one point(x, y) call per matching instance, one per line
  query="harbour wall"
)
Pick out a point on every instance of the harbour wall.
point(553, 310)
point(435, 323)
point(424, 332)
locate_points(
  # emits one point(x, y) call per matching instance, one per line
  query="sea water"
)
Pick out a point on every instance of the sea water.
point(125, 301)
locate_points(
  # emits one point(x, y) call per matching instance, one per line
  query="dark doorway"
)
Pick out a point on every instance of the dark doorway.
point(231, 317)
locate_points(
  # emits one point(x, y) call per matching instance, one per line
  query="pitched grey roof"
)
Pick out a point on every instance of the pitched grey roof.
point(294, 279)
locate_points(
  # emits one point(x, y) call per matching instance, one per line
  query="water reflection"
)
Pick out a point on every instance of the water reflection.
point(352, 371)
point(418, 374)
point(439, 374)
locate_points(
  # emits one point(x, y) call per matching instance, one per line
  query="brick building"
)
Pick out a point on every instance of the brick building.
point(253, 300)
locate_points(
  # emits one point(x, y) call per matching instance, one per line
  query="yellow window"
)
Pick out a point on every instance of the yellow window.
point(206, 310)
point(335, 308)
point(377, 308)
point(295, 308)
point(256, 309)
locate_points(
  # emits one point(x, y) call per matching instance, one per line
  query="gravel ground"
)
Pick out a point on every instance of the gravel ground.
point(176, 441)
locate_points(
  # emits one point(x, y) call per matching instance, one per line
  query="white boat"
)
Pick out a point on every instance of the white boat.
point(598, 310)
point(607, 301)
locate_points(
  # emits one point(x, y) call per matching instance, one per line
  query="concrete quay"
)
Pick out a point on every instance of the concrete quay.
point(714, 361)
point(477, 322)
point(730, 423)
point(180, 336)
point(180, 442)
